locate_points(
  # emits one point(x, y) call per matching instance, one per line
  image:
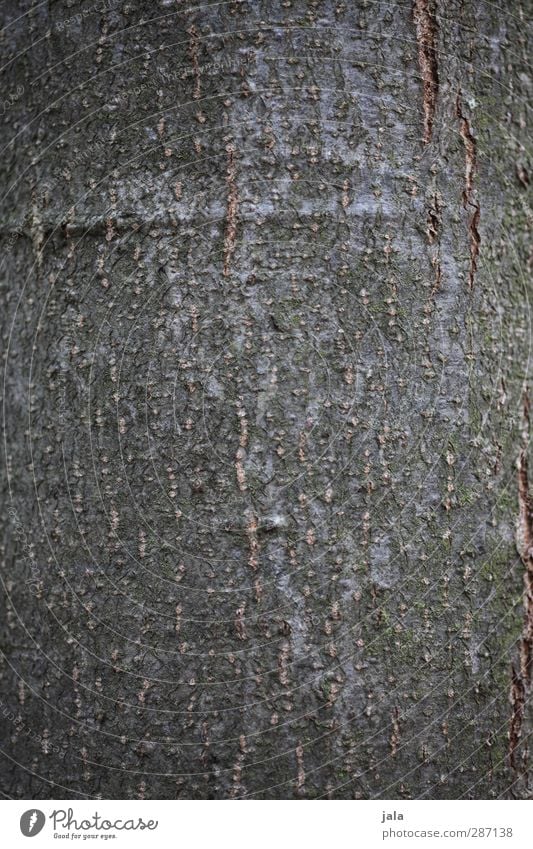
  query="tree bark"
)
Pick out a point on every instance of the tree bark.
point(266, 425)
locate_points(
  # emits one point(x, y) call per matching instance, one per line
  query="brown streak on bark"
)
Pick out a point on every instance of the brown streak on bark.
point(231, 215)
point(470, 150)
point(434, 220)
point(251, 531)
point(240, 624)
point(395, 735)
point(426, 36)
point(474, 244)
point(433, 229)
point(300, 783)
point(525, 544)
point(470, 145)
point(193, 53)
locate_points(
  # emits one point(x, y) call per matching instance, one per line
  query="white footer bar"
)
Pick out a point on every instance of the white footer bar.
point(258, 824)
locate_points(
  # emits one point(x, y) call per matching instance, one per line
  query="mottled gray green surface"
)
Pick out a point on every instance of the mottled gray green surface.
point(266, 337)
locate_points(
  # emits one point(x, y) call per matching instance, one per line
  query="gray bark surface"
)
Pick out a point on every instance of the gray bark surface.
point(268, 529)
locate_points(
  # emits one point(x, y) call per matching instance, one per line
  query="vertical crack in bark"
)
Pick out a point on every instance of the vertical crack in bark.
point(300, 781)
point(470, 145)
point(433, 220)
point(240, 455)
point(240, 622)
point(193, 54)
point(433, 230)
point(395, 734)
point(36, 229)
point(426, 36)
point(253, 543)
point(232, 209)
point(525, 547)
point(521, 679)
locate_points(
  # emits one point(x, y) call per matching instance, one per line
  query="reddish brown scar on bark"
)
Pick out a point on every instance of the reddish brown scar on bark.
point(231, 213)
point(433, 229)
point(525, 543)
point(426, 36)
point(193, 54)
point(470, 146)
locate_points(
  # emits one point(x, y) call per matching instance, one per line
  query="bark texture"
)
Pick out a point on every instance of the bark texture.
point(268, 528)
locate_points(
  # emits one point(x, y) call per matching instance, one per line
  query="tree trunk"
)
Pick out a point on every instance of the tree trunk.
point(266, 423)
